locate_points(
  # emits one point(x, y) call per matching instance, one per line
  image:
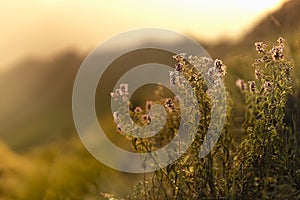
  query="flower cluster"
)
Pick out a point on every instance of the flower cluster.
point(276, 52)
point(146, 118)
point(267, 68)
point(148, 106)
point(211, 70)
point(199, 98)
point(120, 93)
point(260, 47)
point(260, 162)
point(260, 168)
point(258, 73)
point(181, 64)
point(169, 105)
point(173, 77)
point(221, 68)
point(138, 109)
point(117, 120)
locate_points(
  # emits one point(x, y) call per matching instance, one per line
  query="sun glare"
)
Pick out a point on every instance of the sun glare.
point(257, 5)
point(49, 26)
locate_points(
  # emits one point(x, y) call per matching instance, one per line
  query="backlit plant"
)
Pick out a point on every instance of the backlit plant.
point(264, 166)
point(265, 162)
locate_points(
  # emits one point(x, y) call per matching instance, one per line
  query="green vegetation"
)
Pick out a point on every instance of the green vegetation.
point(64, 170)
point(266, 163)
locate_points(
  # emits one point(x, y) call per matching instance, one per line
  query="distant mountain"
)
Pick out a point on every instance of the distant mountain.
point(283, 22)
point(35, 100)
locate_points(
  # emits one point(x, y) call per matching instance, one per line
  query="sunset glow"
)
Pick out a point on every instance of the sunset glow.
point(44, 27)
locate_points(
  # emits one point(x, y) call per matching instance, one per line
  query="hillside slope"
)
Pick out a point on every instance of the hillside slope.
point(36, 100)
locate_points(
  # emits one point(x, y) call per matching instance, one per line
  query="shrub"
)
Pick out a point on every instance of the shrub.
point(265, 162)
point(263, 166)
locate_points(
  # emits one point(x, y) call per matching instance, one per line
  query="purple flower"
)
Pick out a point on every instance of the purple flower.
point(180, 57)
point(281, 40)
point(173, 75)
point(148, 105)
point(277, 52)
point(258, 73)
point(169, 105)
point(241, 84)
point(116, 116)
point(260, 47)
point(118, 92)
point(179, 66)
point(124, 88)
point(146, 118)
point(114, 96)
point(221, 68)
point(138, 109)
point(119, 128)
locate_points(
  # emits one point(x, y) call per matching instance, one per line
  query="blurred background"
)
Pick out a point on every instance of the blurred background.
point(42, 46)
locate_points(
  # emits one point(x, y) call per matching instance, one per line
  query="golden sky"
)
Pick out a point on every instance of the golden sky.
point(41, 28)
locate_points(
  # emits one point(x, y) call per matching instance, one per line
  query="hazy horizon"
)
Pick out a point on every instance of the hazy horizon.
point(43, 28)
